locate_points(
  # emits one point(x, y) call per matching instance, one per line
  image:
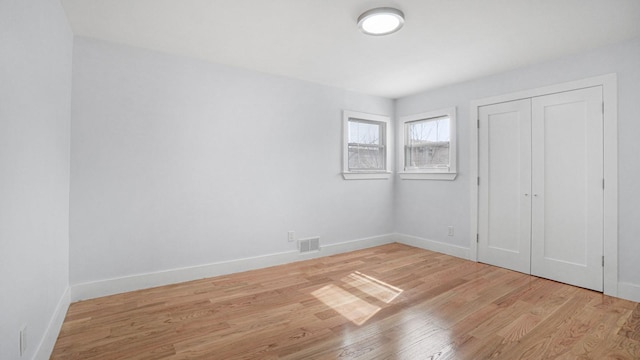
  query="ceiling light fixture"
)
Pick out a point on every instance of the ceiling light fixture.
point(381, 21)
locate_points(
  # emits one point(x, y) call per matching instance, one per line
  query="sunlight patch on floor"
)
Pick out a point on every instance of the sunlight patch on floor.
point(358, 311)
point(372, 286)
point(351, 306)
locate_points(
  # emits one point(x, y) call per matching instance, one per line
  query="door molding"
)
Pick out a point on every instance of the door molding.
point(609, 83)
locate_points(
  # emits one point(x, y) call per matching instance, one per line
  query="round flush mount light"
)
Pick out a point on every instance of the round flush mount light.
point(381, 21)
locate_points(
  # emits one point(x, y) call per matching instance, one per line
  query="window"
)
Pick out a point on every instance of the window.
point(365, 151)
point(366, 145)
point(428, 146)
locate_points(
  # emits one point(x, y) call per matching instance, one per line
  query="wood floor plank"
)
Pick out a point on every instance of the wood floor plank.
point(631, 328)
point(386, 302)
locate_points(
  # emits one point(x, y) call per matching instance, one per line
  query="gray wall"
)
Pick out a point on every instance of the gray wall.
point(35, 88)
point(177, 163)
point(426, 208)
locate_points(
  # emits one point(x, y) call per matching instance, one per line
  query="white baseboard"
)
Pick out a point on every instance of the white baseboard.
point(453, 250)
point(48, 341)
point(629, 291)
point(106, 287)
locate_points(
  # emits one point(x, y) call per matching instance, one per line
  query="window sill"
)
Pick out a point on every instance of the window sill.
point(366, 175)
point(427, 176)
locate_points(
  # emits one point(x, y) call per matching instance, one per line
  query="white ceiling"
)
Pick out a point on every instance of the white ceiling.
point(442, 42)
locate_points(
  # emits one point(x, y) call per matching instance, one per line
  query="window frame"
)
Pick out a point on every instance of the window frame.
point(435, 173)
point(384, 122)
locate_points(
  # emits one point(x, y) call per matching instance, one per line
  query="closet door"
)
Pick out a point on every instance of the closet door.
point(504, 224)
point(567, 187)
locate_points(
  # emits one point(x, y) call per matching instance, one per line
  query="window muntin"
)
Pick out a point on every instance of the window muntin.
point(427, 144)
point(366, 147)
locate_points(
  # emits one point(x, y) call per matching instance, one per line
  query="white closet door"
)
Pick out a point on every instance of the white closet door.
point(567, 186)
point(504, 224)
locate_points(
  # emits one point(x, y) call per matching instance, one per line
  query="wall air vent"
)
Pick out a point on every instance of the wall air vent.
point(309, 245)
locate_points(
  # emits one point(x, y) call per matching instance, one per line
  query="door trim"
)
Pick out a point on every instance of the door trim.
point(609, 83)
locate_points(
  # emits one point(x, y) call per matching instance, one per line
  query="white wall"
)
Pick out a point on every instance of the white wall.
point(166, 175)
point(35, 88)
point(425, 208)
point(178, 163)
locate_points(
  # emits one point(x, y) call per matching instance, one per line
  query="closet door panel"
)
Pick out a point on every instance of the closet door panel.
point(505, 182)
point(567, 208)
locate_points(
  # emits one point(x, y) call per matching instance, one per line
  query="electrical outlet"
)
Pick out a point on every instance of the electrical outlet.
point(23, 340)
point(450, 231)
point(291, 236)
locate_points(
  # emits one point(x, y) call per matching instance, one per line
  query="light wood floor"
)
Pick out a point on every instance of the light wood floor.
point(387, 302)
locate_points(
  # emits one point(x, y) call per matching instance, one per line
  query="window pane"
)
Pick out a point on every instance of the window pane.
point(432, 130)
point(427, 143)
point(364, 132)
point(366, 145)
point(362, 157)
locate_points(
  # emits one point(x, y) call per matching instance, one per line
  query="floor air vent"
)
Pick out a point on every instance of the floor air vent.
point(309, 245)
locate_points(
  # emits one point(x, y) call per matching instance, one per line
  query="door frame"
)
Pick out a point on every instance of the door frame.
point(609, 83)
